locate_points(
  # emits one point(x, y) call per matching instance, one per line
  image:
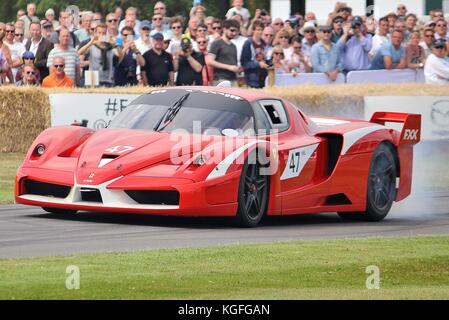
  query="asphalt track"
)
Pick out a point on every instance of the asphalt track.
point(29, 231)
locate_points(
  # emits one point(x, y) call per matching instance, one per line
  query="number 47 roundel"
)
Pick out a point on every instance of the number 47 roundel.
point(297, 159)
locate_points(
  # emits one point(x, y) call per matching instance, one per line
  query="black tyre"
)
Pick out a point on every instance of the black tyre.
point(253, 194)
point(381, 186)
point(59, 211)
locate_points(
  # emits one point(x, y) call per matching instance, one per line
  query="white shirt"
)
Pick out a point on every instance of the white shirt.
point(17, 49)
point(239, 42)
point(436, 70)
point(377, 42)
point(243, 12)
point(34, 46)
point(143, 46)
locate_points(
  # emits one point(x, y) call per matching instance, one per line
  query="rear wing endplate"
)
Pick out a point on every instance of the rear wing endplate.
point(411, 130)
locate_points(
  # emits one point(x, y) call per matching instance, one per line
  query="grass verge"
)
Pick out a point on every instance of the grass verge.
point(410, 268)
point(9, 162)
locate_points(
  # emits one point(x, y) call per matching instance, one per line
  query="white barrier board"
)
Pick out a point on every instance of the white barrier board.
point(434, 112)
point(97, 109)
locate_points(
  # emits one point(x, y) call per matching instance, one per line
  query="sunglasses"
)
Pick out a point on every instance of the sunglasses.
point(126, 34)
point(58, 65)
point(281, 53)
point(28, 58)
point(216, 28)
point(19, 34)
point(145, 28)
point(112, 20)
point(429, 36)
point(278, 24)
point(328, 31)
point(31, 73)
point(338, 21)
point(441, 25)
point(176, 27)
point(439, 47)
point(268, 35)
point(309, 31)
point(296, 48)
point(9, 31)
point(202, 30)
point(157, 19)
point(283, 37)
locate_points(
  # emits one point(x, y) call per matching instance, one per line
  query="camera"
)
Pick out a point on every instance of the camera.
point(269, 62)
point(185, 44)
point(263, 12)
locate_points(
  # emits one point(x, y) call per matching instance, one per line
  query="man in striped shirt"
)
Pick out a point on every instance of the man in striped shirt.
point(71, 58)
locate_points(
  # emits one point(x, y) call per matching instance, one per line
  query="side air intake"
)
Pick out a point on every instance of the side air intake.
point(337, 200)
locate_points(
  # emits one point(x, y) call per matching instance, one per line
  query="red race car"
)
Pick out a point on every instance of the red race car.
point(207, 151)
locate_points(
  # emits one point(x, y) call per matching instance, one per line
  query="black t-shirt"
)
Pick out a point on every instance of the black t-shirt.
point(186, 75)
point(227, 54)
point(157, 67)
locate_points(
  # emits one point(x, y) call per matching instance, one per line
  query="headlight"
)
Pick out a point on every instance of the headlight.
point(40, 149)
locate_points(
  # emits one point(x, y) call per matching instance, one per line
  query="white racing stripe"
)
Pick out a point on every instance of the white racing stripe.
point(351, 137)
point(221, 169)
point(328, 122)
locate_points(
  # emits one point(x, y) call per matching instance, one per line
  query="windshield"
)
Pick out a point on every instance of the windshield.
point(193, 120)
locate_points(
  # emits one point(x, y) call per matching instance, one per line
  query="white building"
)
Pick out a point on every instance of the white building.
point(283, 8)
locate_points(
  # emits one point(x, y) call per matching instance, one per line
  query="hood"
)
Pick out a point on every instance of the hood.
point(111, 153)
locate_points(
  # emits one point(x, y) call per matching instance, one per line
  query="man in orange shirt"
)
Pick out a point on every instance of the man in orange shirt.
point(57, 77)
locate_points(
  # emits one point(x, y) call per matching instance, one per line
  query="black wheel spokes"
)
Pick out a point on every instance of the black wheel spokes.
point(381, 180)
point(254, 191)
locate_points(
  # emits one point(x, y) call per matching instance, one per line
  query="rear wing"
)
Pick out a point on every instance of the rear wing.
point(411, 130)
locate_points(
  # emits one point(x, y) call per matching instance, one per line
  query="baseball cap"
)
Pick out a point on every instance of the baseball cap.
point(356, 21)
point(47, 24)
point(336, 18)
point(438, 43)
point(28, 55)
point(429, 23)
point(158, 36)
point(145, 24)
point(325, 28)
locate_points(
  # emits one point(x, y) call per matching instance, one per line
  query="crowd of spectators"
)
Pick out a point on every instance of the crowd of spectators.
point(121, 48)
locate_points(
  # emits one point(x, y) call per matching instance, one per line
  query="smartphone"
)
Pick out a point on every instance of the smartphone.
point(104, 39)
point(130, 38)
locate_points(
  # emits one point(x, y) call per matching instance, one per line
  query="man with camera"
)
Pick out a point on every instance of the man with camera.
point(253, 57)
point(125, 73)
point(189, 64)
point(355, 46)
point(102, 49)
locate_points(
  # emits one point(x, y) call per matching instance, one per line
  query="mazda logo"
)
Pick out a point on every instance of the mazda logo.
point(440, 113)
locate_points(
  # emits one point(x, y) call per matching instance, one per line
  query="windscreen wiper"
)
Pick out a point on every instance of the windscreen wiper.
point(171, 113)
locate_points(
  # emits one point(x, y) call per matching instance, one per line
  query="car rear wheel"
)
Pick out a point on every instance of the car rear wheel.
point(59, 211)
point(253, 194)
point(381, 186)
